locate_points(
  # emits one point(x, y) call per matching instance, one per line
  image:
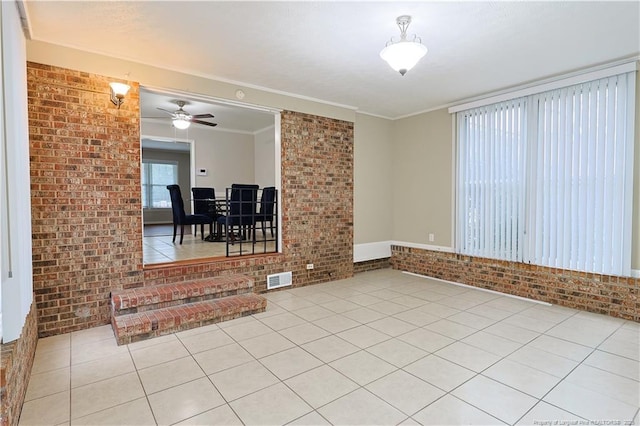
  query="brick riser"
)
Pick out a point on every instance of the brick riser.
point(167, 295)
point(141, 326)
point(194, 299)
point(146, 312)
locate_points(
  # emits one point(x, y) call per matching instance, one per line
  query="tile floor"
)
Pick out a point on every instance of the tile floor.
point(160, 248)
point(383, 347)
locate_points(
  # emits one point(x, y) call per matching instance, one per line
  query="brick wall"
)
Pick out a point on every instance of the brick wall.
point(86, 210)
point(317, 196)
point(17, 360)
point(615, 296)
point(371, 265)
point(256, 266)
point(85, 196)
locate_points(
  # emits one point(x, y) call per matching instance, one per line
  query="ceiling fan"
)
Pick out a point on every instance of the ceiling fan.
point(182, 119)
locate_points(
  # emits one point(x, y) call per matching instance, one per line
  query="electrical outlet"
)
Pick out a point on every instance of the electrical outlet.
point(309, 265)
point(432, 237)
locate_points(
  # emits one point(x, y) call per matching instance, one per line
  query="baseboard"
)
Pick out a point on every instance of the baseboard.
point(371, 251)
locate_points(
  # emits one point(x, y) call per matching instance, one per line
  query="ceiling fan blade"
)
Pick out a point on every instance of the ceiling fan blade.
point(166, 110)
point(206, 123)
point(202, 116)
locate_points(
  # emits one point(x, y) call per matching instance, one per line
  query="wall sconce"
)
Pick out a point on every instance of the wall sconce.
point(118, 92)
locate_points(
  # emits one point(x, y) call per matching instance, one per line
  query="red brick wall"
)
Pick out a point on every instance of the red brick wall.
point(85, 196)
point(317, 196)
point(86, 210)
point(615, 296)
point(371, 265)
point(17, 360)
point(256, 266)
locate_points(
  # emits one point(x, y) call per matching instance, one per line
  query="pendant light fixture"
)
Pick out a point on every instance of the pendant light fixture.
point(404, 54)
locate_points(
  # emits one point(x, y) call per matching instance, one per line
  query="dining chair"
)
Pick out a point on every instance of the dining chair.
point(241, 210)
point(267, 209)
point(204, 203)
point(181, 218)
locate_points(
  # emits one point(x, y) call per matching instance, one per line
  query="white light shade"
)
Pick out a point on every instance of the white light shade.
point(403, 55)
point(180, 123)
point(119, 89)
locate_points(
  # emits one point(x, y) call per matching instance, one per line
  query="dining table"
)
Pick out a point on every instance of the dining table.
point(216, 207)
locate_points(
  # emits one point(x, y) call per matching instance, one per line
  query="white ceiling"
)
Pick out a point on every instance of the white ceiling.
point(228, 117)
point(330, 50)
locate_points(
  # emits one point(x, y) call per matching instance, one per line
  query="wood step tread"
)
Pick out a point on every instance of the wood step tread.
point(143, 325)
point(220, 286)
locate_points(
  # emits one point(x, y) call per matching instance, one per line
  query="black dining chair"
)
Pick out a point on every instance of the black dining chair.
point(267, 209)
point(204, 203)
point(182, 219)
point(241, 210)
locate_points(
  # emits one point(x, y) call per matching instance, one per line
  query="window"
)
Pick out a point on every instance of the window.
point(156, 175)
point(547, 178)
point(492, 180)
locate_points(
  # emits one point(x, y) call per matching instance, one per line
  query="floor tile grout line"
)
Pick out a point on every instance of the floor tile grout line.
point(607, 371)
point(147, 394)
point(328, 365)
point(89, 384)
point(391, 372)
point(504, 357)
point(562, 380)
point(144, 390)
point(114, 406)
point(468, 403)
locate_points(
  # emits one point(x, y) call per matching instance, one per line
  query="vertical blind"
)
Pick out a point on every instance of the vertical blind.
point(491, 180)
point(548, 178)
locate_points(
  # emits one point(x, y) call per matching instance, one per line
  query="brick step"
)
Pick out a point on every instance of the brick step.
point(165, 295)
point(145, 325)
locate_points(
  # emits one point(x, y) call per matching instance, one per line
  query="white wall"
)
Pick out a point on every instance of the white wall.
point(635, 238)
point(403, 183)
point(228, 157)
point(373, 187)
point(265, 158)
point(423, 179)
point(15, 204)
point(373, 177)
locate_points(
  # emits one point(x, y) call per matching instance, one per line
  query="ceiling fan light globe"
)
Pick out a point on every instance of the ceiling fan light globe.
point(180, 123)
point(403, 55)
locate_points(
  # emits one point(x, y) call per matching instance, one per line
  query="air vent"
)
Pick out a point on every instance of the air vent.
point(282, 279)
